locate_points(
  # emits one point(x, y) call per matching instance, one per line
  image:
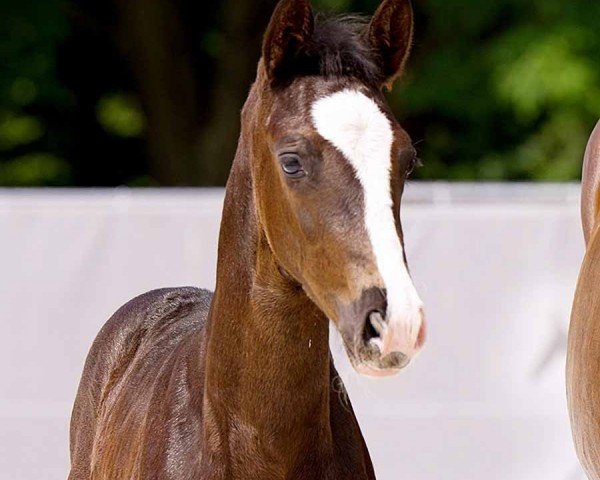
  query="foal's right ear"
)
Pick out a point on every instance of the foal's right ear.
point(590, 185)
point(291, 26)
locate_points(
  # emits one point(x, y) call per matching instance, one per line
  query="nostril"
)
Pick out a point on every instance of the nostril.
point(374, 326)
point(369, 333)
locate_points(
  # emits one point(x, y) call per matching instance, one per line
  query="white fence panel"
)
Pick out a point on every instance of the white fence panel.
point(495, 264)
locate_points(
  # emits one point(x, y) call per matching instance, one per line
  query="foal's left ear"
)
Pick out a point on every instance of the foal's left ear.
point(291, 26)
point(390, 35)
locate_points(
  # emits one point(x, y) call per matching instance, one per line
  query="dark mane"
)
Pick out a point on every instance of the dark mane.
point(336, 49)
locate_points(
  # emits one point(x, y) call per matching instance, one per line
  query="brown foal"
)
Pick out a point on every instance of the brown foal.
point(184, 384)
point(583, 355)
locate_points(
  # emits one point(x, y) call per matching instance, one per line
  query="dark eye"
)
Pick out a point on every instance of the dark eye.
point(415, 162)
point(291, 166)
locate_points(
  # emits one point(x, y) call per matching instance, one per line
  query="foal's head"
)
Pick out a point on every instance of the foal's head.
point(329, 166)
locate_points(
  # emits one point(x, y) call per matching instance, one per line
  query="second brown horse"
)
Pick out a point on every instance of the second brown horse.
point(583, 359)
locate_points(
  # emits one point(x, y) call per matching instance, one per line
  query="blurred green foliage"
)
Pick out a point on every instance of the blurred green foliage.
point(30, 34)
point(501, 90)
point(120, 115)
point(504, 90)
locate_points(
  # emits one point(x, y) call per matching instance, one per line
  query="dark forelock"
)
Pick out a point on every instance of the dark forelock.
point(336, 49)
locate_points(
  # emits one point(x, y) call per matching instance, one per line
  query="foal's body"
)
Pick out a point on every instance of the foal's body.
point(182, 384)
point(145, 420)
point(139, 396)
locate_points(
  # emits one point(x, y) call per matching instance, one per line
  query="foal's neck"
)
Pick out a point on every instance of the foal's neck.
point(267, 357)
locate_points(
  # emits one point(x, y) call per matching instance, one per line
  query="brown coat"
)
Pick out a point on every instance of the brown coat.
point(184, 384)
point(583, 359)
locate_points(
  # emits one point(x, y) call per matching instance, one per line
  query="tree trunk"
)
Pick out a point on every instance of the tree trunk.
point(192, 104)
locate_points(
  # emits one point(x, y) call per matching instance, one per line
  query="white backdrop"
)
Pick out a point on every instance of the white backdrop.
point(495, 265)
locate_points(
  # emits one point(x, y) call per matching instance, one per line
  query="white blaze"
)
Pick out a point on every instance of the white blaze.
point(355, 125)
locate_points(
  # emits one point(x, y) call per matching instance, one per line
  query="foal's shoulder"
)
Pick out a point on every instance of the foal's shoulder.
point(161, 309)
point(157, 305)
point(157, 319)
point(127, 358)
